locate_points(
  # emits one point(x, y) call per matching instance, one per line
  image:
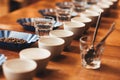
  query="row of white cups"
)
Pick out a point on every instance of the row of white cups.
point(35, 60)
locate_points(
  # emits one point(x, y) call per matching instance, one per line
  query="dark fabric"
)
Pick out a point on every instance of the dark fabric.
point(14, 5)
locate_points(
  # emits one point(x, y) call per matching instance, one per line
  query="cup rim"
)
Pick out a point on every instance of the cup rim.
point(23, 53)
point(70, 24)
point(96, 8)
point(81, 19)
point(5, 65)
point(107, 2)
point(103, 6)
point(90, 13)
point(43, 39)
point(68, 33)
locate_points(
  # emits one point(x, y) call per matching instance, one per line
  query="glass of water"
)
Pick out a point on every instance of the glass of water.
point(79, 5)
point(64, 11)
point(43, 26)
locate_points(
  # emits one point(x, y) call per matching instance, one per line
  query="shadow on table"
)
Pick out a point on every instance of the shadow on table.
point(73, 49)
point(109, 70)
point(52, 75)
point(59, 58)
point(66, 60)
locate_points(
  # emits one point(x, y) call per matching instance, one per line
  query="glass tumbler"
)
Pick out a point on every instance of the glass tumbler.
point(64, 11)
point(43, 26)
point(90, 59)
point(79, 5)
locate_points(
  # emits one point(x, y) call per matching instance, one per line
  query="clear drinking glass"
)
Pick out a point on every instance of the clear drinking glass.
point(79, 5)
point(43, 26)
point(91, 60)
point(64, 11)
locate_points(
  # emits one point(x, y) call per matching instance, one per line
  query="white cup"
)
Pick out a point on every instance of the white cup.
point(19, 69)
point(76, 28)
point(104, 6)
point(95, 8)
point(85, 20)
point(107, 2)
point(40, 56)
point(90, 14)
point(53, 44)
point(64, 34)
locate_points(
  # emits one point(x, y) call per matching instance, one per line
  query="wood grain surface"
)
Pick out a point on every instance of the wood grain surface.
point(68, 65)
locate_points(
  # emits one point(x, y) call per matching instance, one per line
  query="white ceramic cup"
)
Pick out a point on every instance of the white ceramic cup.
point(90, 14)
point(105, 7)
point(64, 34)
point(39, 55)
point(76, 28)
point(95, 8)
point(107, 2)
point(53, 44)
point(87, 21)
point(19, 69)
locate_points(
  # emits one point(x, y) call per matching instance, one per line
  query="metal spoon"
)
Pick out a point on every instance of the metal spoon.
point(89, 56)
point(105, 37)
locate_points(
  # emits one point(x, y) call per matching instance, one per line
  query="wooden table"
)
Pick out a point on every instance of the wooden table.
point(68, 65)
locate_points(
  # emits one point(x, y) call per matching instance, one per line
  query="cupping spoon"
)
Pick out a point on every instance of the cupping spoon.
point(91, 51)
point(105, 37)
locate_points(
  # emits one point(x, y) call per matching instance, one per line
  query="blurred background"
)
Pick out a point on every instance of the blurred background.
point(7, 6)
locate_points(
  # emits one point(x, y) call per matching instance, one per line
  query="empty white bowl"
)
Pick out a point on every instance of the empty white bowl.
point(76, 28)
point(40, 56)
point(104, 6)
point(64, 34)
point(91, 14)
point(107, 2)
point(53, 44)
point(19, 69)
point(95, 8)
point(85, 20)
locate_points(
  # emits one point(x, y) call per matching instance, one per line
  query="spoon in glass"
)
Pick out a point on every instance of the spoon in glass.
point(89, 56)
point(105, 37)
